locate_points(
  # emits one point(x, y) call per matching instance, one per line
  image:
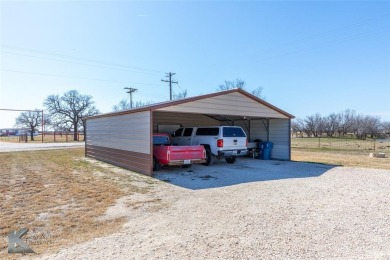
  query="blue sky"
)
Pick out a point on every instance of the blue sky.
point(309, 56)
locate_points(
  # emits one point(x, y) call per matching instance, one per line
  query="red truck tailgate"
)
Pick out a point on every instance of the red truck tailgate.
point(186, 152)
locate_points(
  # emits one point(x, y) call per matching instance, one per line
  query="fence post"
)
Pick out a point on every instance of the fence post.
point(54, 136)
point(66, 136)
point(374, 143)
point(319, 142)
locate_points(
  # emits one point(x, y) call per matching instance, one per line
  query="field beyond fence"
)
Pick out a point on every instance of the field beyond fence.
point(48, 137)
point(374, 145)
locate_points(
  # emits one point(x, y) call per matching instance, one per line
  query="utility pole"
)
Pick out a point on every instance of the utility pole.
point(130, 91)
point(169, 75)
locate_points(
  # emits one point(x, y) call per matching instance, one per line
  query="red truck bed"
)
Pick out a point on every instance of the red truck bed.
point(166, 154)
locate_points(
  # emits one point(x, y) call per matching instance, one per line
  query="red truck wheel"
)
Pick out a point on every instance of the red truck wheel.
point(156, 165)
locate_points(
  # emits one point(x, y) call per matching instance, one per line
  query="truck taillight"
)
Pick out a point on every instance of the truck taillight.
point(168, 155)
point(204, 153)
point(246, 142)
point(220, 143)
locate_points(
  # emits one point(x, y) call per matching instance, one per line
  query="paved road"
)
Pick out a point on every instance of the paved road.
point(15, 147)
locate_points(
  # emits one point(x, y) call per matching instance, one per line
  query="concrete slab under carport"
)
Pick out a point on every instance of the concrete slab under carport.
point(244, 170)
point(276, 130)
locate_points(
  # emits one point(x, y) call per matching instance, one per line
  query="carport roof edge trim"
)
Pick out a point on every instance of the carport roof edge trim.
point(160, 105)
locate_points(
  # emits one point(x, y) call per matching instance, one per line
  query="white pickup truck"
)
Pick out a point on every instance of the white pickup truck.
point(220, 142)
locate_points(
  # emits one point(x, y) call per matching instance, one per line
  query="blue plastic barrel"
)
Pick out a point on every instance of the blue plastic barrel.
point(267, 154)
point(265, 150)
point(268, 145)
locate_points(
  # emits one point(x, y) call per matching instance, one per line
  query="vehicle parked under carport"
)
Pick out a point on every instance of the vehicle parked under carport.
point(164, 153)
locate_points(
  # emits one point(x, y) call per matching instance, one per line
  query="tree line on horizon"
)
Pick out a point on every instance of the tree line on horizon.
point(341, 124)
point(66, 113)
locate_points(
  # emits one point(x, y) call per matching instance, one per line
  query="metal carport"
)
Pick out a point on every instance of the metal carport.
point(124, 138)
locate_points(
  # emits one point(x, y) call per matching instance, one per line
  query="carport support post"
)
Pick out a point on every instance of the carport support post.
point(151, 142)
point(248, 127)
point(266, 127)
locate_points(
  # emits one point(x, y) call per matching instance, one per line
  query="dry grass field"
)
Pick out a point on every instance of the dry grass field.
point(344, 158)
point(59, 196)
point(345, 144)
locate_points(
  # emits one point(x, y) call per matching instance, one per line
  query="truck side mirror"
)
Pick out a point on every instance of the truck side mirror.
point(173, 134)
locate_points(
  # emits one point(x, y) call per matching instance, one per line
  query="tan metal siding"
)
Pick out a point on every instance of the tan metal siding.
point(279, 134)
point(165, 118)
point(125, 132)
point(257, 130)
point(228, 104)
point(122, 140)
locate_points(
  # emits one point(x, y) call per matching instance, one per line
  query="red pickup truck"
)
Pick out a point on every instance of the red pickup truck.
point(166, 154)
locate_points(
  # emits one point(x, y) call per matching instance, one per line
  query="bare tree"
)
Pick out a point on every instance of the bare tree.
point(347, 120)
point(125, 105)
point(122, 105)
point(180, 95)
point(298, 126)
point(314, 125)
point(342, 123)
point(69, 109)
point(239, 83)
point(386, 127)
point(373, 126)
point(231, 84)
point(31, 120)
point(258, 92)
point(359, 127)
point(332, 124)
point(366, 126)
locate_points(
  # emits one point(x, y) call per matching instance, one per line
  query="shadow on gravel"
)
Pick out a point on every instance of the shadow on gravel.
point(245, 170)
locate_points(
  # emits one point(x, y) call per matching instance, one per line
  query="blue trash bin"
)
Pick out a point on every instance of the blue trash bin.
point(267, 154)
point(265, 150)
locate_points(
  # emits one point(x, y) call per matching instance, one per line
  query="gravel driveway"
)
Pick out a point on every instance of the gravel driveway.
point(251, 210)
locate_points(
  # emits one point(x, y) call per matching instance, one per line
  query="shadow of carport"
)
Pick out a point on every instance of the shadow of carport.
point(245, 170)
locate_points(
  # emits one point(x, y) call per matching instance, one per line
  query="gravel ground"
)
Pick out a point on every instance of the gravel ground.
point(251, 210)
point(17, 147)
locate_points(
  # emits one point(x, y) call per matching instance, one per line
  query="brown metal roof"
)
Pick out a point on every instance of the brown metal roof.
point(156, 106)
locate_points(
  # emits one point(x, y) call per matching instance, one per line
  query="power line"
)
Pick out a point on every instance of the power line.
point(81, 63)
point(76, 77)
point(330, 43)
point(78, 58)
point(169, 75)
point(319, 35)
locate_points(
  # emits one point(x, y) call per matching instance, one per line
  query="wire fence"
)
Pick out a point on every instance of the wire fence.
point(375, 145)
point(48, 137)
